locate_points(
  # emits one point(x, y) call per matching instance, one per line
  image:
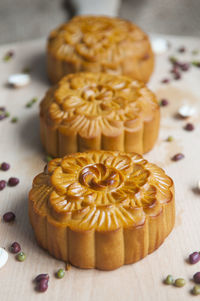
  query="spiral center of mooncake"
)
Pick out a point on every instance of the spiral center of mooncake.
point(97, 92)
point(100, 177)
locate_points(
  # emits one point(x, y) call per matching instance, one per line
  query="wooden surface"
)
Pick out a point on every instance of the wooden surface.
point(20, 146)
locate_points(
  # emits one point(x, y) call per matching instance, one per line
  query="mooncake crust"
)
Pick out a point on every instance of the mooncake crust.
point(101, 209)
point(86, 111)
point(99, 44)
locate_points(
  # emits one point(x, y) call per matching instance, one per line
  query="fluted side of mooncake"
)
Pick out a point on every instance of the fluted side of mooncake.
point(99, 44)
point(90, 111)
point(101, 209)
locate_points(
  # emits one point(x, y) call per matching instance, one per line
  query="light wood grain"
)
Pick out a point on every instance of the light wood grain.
point(20, 145)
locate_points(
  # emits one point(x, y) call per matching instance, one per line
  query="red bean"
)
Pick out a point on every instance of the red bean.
point(189, 127)
point(2, 184)
point(42, 285)
point(15, 247)
point(9, 217)
point(13, 181)
point(174, 69)
point(181, 49)
point(164, 102)
point(184, 66)
point(178, 157)
point(5, 166)
point(194, 257)
point(42, 276)
point(165, 81)
point(177, 76)
point(196, 277)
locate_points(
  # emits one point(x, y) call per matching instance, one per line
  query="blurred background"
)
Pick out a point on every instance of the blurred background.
point(30, 19)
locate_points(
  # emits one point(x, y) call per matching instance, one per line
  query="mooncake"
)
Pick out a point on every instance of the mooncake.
point(101, 209)
point(99, 44)
point(98, 111)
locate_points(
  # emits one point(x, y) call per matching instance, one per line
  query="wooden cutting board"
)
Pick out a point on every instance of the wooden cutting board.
point(20, 146)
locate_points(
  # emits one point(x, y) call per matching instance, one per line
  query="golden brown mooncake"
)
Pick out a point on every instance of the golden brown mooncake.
point(94, 111)
point(101, 209)
point(99, 44)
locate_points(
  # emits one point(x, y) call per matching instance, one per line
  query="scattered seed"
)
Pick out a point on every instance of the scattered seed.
point(181, 49)
point(189, 127)
point(186, 111)
point(169, 280)
point(3, 114)
point(13, 181)
point(173, 60)
point(196, 64)
point(31, 102)
point(195, 52)
point(159, 45)
point(196, 277)
point(68, 267)
point(15, 247)
point(9, 217)
point(19, 80)
point(164, 102)
point(194, 257)
point(2, 110)
point(48, 158)
point(196, 290)
point(28, 105)
point(184, 66)
point(26, 70)
point(42, 276)
point(21, 256)
point(165, 81)
point(177, 66)
point(42, 285)
point(2, 184)
point(7, 114)
point(179, 282)
point(174, 70)
point(8, 56)
point(34, 100)
point(14, 119)
point(5, 166)
point(60, 274)
point(170, 138)
point(177, 76)
point(3, 257)
point(178, 157)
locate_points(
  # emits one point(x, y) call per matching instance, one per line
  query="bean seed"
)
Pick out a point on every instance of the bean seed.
point(194, 257)
point(60, 274)
point(13, 181)
point(42, 285)
point(196, 290)
point(2, 184)
point(189, 127)
point(9, 217)
point(42, 276)
point(169, 280)
point(179, 282)
point(5, 166)
point(21, 256)
point(196, 277)
point(178, 157)
point(15, 248)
